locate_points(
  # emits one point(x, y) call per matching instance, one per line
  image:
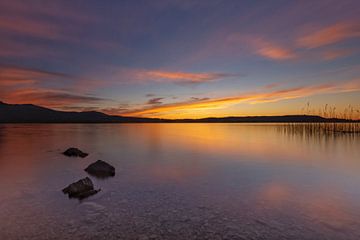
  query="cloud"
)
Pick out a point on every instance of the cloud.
point(46, 20)
point(182, 77)
point(262, 46)
point(251, 98)
point(118, 110)
point(14, 75)
point(134, 75)
point(54, 9)
point(199, 99)
point(336, 53)
point(330, 35)
point(33, 28)
point(155, 101)
point(273, 51)
point(28, 85)
point(296, 47)
point(47, 29)
point(49, 98)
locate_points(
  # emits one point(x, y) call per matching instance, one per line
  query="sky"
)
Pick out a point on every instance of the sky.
point(181, 58)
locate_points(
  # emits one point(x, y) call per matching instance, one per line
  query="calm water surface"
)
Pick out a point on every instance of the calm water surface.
point(179, 181)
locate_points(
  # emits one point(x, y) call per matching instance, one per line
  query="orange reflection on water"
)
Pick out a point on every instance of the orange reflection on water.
point(252, 142)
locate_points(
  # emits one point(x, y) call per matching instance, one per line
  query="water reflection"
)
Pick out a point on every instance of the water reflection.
point(248, 180)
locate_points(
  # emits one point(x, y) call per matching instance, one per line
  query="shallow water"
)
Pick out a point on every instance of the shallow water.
point(179, 181)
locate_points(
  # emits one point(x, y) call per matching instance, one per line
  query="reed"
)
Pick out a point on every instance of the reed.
point(346, 122)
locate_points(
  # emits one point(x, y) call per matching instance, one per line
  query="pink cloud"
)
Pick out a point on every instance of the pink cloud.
point(26, 85)
point(183, 76)
point(263, 47)
point(13, 75)
point(163, 76)
point(330, 35)
point(336, 53)
point(49, 98)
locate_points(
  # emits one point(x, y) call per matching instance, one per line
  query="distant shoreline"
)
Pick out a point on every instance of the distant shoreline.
point(32, 114)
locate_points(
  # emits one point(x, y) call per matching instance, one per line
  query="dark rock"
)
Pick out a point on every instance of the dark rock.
point(87, 193)
point(81, 189)
point(100, 169)
point(74, 152)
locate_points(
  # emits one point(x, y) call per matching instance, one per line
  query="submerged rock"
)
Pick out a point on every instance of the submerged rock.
point(100, 169)
point(74, 152)
point(81, 189)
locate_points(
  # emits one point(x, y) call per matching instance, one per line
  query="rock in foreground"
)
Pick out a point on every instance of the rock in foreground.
point(74, 152)
point(81, 189)
point(100, 169)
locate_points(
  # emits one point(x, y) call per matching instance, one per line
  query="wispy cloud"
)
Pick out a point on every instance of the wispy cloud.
point(251, 98)
point(46, 20)
point(45, 29)
point(182, 77)
point(135, 75)
point(54, 9)
point(273, 51)
point(294, 47)
point(336, 53)
point(263, 46)
point(28, 85)
point(50, 98)
point(155, 101)
point(330, 35)
point(14, 75)
point(33, 28)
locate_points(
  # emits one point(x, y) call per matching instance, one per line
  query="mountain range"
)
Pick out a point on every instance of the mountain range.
point(29, 113)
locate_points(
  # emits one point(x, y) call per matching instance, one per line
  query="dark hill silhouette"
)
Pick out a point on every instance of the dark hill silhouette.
point(29, 113)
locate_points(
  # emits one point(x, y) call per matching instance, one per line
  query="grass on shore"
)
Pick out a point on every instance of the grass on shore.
point(346, 122)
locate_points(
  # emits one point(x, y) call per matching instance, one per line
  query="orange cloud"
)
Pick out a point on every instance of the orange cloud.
point(12, 75)
point(330, 35)
point(128, 75)
point(263, 47)
point(186, 77)
point(275, 52)
point(251, 98)
point(24, 85)
point(49, 98)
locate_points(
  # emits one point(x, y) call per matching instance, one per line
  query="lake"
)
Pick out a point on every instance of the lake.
point(179, 181)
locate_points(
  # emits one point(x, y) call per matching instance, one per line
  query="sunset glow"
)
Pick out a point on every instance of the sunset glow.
point(181, 59)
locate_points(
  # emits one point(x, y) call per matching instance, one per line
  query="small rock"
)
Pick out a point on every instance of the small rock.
point(100, 169)
point(74, 152)
point(81, 189)
point(87, 193)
